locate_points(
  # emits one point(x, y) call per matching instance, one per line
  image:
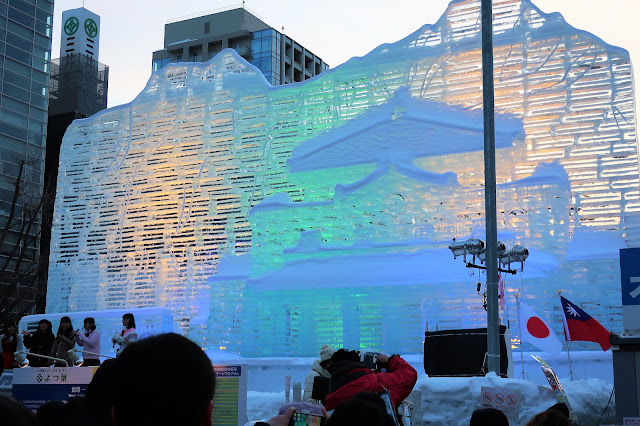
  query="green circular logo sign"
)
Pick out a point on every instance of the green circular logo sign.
point(71, 25)
point(90, 27)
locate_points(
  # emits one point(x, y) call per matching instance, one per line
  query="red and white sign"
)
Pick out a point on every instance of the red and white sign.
point(506, 400)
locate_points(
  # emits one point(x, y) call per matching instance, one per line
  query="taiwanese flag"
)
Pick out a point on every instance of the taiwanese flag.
point(579, 326)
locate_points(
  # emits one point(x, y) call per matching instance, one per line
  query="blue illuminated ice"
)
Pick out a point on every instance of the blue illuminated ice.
point(272, 220)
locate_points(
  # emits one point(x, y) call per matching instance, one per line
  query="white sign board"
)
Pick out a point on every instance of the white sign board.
point(34, 386)
point(506, 400)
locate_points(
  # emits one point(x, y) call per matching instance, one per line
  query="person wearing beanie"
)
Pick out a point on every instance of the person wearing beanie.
point(349, 377)
point(318, 369)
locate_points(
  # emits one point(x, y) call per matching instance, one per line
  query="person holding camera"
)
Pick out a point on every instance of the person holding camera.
point(349, 377)
point(319, 373)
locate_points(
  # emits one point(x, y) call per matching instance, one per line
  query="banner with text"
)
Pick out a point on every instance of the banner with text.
point(32, 387)
point(230, 400)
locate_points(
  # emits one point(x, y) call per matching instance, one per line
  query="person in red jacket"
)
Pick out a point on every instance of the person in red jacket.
point(349, 377)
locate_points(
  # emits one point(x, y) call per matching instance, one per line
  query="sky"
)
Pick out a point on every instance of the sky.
point(335, 30)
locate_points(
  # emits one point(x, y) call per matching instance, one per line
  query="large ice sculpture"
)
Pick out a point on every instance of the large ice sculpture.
point(274, 219)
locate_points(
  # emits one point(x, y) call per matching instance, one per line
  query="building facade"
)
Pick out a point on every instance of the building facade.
point(77, 89)
point(280, 58)
point(25, 53)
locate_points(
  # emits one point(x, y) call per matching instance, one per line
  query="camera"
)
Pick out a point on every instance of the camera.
point(304, 418)
point(370, 360)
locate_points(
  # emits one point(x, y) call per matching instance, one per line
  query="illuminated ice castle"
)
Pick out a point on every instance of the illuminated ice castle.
point(274, 219)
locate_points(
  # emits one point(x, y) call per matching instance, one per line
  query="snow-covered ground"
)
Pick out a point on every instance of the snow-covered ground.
point(451, 400)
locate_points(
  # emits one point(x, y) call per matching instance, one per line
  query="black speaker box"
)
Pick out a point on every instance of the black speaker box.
point(460, 352)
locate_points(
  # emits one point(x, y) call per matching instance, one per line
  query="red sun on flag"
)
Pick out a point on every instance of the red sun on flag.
point(537, 328)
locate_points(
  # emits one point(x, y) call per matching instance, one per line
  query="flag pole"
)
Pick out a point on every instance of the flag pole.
point(571, 375)
point(522, 375)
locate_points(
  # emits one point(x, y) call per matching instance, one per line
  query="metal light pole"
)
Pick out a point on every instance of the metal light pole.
point(493, 321)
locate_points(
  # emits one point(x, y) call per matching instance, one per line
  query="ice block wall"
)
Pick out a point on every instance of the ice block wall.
point(272, 220)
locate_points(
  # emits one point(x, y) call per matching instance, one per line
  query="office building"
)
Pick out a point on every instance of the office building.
point(77, 89)
point(197, 39)
point(25, 52)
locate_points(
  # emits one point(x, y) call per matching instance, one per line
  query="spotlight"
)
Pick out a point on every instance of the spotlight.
point(501, 249)
point(516, 253)
point(472, 246)
point(21, 359)
point(75, 358)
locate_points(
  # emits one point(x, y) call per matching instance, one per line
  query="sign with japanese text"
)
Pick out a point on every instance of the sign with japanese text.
point(630, 288)
point(506, 400)
point(230, 400)
point(34, 386)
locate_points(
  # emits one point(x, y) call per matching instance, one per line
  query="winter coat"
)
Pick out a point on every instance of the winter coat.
point(316, 371)
point(90, 343)
point(8, 346)
point(124, 338)
point(61, 347)
point(40, 343)
point(350, 378)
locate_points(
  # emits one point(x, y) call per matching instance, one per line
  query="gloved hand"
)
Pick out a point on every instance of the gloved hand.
point(117, 338)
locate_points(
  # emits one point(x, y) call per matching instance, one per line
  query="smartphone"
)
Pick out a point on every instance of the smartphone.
point(301, 418)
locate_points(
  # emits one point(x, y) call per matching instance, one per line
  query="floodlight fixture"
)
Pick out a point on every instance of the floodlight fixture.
point(472, 246)
point(21, 359)
point(500, 250)
point(75, 358)
point(516, 254)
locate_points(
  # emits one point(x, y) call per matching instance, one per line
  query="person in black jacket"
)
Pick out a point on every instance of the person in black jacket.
point(40, 342)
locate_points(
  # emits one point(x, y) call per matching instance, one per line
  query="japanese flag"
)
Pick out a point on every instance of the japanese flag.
point(535, 331)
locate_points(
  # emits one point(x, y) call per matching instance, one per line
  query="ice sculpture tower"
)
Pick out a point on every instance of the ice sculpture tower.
point(275, 219)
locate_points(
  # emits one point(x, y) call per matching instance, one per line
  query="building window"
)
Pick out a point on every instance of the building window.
point(158, 64)
point(207, 27)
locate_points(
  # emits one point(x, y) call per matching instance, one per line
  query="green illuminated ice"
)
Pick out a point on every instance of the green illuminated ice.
point(272, 220)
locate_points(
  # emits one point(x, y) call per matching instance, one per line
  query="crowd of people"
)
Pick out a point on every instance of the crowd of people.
point(46, 349)
point(136, 388)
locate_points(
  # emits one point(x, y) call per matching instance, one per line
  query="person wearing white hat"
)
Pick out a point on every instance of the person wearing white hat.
point(318, 369)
